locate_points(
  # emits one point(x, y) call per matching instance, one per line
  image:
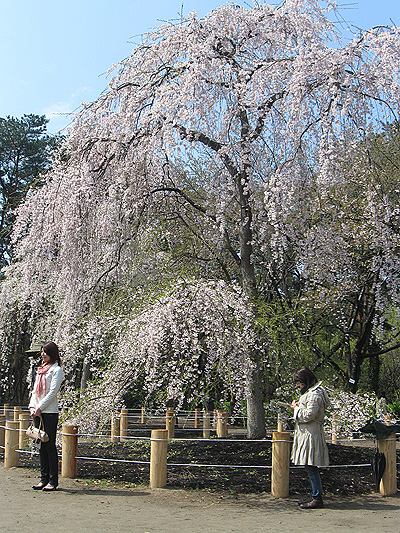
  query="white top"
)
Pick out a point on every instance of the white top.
point(49, 403)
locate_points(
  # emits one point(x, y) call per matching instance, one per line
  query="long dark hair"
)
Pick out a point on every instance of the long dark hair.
point(51, 349)
point(305, 376)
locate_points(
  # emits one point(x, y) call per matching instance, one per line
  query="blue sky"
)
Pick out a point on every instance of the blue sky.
point(54, 53)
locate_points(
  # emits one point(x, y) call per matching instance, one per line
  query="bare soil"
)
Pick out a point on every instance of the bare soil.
point(94, 505)
point(114, 496)
point(342, 480)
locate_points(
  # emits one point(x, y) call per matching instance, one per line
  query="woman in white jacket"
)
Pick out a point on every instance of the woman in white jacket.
point(44, 403)
point(309, 446)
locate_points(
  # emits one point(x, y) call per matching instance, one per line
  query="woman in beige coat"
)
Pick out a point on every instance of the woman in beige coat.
point(309, 446)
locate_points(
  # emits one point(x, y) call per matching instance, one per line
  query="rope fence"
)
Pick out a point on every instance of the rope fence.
point(13, 440)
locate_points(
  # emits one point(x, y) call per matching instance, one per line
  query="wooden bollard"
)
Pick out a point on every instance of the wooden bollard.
point(24, 421)
point(6, 410)
point(225, 422)
point(17, 411)
point(280, 425)
point(170, 422)
point(280, 464)
point(11, 444)
point(217, 415)
point(2, 430)
point(196, 418)
point(388, 484)
point(334, 430)
point(158, 458)
point(114, 428)
point(206, 424)
point(123, 425)
point(69, 448)
point(143, 418)
point(222, 423)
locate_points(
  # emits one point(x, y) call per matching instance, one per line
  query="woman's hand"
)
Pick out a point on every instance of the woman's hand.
point(294, 404)
point(35, 412)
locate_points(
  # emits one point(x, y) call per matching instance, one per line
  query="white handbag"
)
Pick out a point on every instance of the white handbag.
point(37, 434)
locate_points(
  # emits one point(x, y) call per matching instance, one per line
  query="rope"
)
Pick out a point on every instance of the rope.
point(347, 466)
point(29, 453)
point(223, 440)
point(198, 465)
point(114, 460)
point(99, 435)
point(265, 467)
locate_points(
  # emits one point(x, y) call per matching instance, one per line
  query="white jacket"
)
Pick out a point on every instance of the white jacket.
point(309, 446)
point(49, 403)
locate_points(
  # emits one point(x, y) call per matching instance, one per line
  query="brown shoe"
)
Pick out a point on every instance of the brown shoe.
point(40, 486)
point(313, 504)
point(305, 500)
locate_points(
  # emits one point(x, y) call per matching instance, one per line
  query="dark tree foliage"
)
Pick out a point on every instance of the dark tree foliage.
point(25, 156)
point(25, 151)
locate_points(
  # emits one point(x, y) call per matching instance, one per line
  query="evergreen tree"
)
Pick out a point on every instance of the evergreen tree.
point(25, 151)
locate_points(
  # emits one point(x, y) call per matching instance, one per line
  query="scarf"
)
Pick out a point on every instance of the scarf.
point(40, 385)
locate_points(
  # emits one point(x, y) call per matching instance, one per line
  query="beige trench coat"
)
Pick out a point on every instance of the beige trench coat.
point(309, 446)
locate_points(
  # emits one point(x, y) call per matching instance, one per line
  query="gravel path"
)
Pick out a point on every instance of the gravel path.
point(81, 507)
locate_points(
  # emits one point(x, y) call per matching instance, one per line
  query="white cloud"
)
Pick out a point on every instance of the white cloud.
point(61, 113)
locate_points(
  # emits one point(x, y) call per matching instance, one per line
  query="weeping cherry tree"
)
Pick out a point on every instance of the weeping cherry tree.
point(265, 98)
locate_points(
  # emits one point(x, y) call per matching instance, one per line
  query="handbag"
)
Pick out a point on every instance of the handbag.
point(37, 434)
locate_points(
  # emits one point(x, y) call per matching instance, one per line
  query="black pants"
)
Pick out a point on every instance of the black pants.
point(48, 450)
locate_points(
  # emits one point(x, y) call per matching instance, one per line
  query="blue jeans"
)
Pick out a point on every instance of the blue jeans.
point(315, 481)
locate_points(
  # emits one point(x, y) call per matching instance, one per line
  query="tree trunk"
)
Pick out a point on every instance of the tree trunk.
point(374, 367)
point(355, 371)
point(255, 406)
point(85, 372)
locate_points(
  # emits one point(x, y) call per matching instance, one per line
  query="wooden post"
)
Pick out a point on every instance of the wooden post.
point(170, 422)
point(11, 444)
point(388, 484)
point(23, 426)
point(226, 425)
point(69, 448)
point(144, 416)
point(17, 411)
point(114, 428)
point(280, 464)
point(206, 424)
point(196, 418)
point(2, 430)
point(280, 424)
point(6, 410)
point(158, 458)
point(334, 429)
point(222, 423)
point(219, 423)
point(123, 425)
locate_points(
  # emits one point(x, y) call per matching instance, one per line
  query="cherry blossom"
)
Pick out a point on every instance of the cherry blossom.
point(219, 141)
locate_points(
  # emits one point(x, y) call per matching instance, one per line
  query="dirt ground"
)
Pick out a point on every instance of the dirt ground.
point(114, 496)
point(347, 481)
point(81, 506)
